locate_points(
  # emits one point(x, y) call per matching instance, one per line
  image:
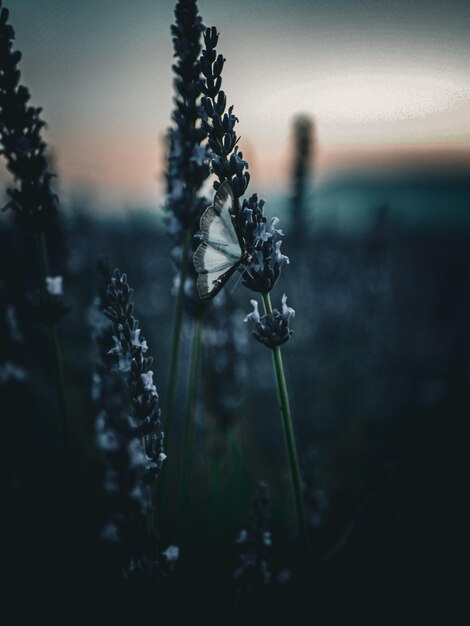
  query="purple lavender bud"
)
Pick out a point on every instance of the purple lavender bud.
point(272, 330)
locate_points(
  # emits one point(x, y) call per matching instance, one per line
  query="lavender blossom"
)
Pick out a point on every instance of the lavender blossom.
point(272, 329)
point(188, 159)
point(127, 433)
point(128, 352)
point(263, 242)
point(32, 200)
point(126, 472)
point(115, 434)
point(227, 163)
point(260, 241)
point(260, 237)
point(116, 439)
point(54, 285)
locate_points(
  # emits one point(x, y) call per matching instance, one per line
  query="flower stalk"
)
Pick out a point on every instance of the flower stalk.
point(288, 429)
point(176, 337)
point(261, 239)
point(186, 462)
point(56, 350)
point(129, 436)
point(187, 171)
point(31, 199)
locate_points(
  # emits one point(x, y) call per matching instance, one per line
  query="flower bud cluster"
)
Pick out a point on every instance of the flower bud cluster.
point(263, 241)
point(188, 162)
point(227, 163)
point(129, 353)
point(272, 329)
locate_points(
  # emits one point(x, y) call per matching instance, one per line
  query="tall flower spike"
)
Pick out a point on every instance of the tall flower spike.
point(129, 353)
point(303, 154)
point(188, 168)
point(227, 163)
point(116, 438)
point(188, 164)
point(128, 467)
point(32, 200)
point(272, 329)
point(188, 157)
point(261, 239)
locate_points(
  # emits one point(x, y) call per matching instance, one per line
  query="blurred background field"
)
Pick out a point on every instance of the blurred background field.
point(377, 368)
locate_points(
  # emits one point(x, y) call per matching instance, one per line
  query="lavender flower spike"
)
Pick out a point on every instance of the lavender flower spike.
point(260, 237)
point(128, 353)
point(272, 329)
point(263, 242)
point(31, 199)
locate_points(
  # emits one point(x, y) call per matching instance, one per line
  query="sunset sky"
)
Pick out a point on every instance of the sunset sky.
point(388, 83)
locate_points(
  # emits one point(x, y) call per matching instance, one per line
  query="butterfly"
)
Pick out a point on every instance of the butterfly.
point(221, 250)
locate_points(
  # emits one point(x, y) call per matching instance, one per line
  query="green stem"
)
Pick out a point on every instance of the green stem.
point(284, 407)
point(57, 353)
point(175, 343)
point(188, 434)
point(172, 379)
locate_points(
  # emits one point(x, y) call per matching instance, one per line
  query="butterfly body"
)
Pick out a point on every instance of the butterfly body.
point(221, 251)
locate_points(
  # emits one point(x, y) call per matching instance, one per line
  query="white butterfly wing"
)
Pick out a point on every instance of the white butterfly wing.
point(208, 259)
point(209, 285)
point(216, 222)
point(214, 268)
point(219, 254)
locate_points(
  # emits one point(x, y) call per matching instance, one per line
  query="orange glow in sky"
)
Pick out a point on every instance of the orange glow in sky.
point(386, 88)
